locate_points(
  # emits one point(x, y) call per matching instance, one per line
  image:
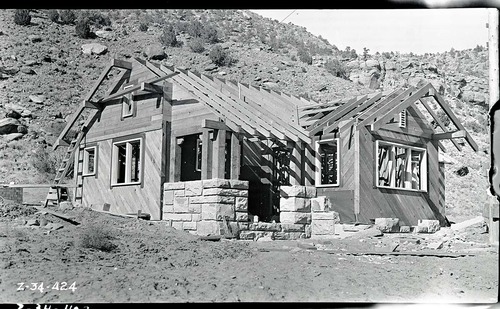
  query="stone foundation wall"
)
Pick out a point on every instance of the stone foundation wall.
point(201, 206)
point(12, 194)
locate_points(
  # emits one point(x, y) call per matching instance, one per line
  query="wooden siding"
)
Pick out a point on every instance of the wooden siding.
point(408, 206)
point(130, 198)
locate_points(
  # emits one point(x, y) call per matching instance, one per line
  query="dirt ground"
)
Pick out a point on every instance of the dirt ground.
point(145, 261)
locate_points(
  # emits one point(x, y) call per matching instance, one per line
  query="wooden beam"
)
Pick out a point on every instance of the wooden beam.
point(438, 121)
point(136, 87)
point(334, 115)
point(296, 163)
point(382, 107)
point(449, 135)
point(206, 155)
point(381, 121)
point(69, 125)
point(121, 64)
point(235, 156)
point(353, 112)
point(98, 82)
point(92, 105)
point(455, 120)
point(151, 88)
point(175, 159)
point(219, 154)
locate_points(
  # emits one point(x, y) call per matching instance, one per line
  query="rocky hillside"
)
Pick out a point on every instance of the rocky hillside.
point(48, 65)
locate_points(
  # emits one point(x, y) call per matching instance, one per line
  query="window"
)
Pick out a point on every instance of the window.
point(327, 163)
point(127, 159)
point(128, 104)
point(89, 161)
point(401, 167)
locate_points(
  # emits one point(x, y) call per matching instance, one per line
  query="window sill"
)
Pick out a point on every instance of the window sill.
point(125, 184)
point(403, 189)
point(327, 186)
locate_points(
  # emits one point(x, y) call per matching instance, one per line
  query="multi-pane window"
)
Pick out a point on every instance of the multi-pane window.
point(89, 161)
point(327, 162)
point(401, 167)
point(128, 104)
point(127, 158)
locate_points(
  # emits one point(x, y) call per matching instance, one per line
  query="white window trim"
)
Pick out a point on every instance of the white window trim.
point(128, 162)
point(318, 166)
point(423, 167)
point(131, 102)
point(86, 161)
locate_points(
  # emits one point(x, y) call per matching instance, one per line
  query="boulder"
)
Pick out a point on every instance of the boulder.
point(372, 63)
point(104, 34)
point(94, 49)
point(387, 225)
point(13, 136)
point(155, 52)
point(13, 114)
point(34, 38)
point(39, 99)
point(28, 70)
point(8, 125)
point(22, 129)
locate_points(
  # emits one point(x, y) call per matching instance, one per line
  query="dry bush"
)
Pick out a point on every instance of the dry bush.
point(96, 237)
point(22, 17)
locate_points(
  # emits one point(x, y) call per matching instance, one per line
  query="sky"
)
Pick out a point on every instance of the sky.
point(405, 30)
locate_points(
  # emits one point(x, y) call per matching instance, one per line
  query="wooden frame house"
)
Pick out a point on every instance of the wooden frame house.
point(149, 124)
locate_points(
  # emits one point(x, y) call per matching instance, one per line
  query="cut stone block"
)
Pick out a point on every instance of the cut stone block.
point(195, 208)
point(295, 217)
point(216, 183)
point(205, 228)
point(387, 225)
point(168, 197)
point(241, 203)
point(322, 227)
point(295, 204)
point(310, 191)
point(189, 226)
point(193, 188)
point(239, 184)
point(177, 216)
point(264, 226)
point(212, 199)
point(224, 191)
point(404, 229)
point(292, 227)
point(181, 204)
point(288, 235)
point(264, 236)
point(320, 203)
point(247, 235)
point(326, 215)
point(431, 226)
point(236, 227)
point(179, 192)
point(242, 216)
point(173, 185)
point(224, 211)
point(177, 225)
point(208, 212)
point(65, 205)
point(168, 209)
point(196, 217)
point(292, 191)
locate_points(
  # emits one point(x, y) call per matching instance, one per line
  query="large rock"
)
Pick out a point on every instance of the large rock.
point(13, 136)
point(155, 52)
point(94, 49)
point(372, 63)
point(39, 99)
point(9, 125)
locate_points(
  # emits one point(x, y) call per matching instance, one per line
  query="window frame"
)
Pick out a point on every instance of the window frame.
point(423, 185)
point(128, 163)
point(131, 103)
point(318, 165)
point(86, 161)
point(199, 156)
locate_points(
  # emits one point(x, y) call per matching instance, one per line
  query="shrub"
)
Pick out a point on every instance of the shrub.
point(53, 15)
point(196, 45)
point(304, 55)
point(82, 29)
point(96, 237)
point(197, 30)
point(336, 68)
point(67, 17)
point(220, 57)
point(143, 27)
point(169, 37)
point(44, 162)
point(209, 35)
point(22, 17)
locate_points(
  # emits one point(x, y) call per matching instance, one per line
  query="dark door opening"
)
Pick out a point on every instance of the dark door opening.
point(191, 158)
